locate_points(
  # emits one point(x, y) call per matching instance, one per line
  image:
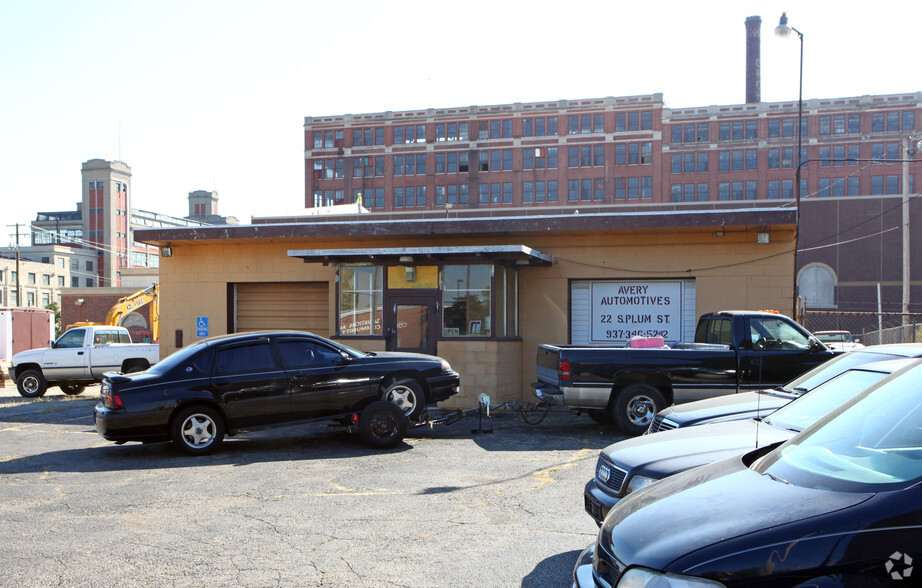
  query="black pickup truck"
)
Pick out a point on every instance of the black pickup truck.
point(733, 351)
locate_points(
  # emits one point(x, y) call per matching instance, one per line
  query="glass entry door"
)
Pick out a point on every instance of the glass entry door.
point(413, 322)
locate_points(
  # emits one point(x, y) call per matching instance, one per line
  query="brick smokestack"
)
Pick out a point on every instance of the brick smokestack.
point(753, 60)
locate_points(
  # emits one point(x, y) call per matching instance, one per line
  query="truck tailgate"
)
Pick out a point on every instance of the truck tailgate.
point(548, 357)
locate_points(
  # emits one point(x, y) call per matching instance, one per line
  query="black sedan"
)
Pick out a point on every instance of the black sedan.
point(629, 465)
point(248, 381)
point(746, 405)
point(838, 505)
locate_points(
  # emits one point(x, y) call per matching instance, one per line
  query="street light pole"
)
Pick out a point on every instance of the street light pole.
point(909, 149)
point(784, 30)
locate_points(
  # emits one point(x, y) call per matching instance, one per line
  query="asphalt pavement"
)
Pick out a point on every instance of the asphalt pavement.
point(297, 506)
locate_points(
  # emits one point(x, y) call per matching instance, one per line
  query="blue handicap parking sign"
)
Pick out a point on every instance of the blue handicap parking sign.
point(201, 326)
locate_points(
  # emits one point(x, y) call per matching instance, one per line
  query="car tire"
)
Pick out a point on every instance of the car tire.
point(635, 406)
point(197, 430)
point(408, 395)
point(382, 424)
point(31, 384)
point(72, 389)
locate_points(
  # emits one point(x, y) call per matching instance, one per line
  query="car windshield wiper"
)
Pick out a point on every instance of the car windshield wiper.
point(777, 479)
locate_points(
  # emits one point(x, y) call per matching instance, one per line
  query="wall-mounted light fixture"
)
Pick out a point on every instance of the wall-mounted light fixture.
point(166, 251)
point(78, 302)
point(405, 259)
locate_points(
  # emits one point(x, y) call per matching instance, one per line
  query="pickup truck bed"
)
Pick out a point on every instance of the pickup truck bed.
point(733, 351)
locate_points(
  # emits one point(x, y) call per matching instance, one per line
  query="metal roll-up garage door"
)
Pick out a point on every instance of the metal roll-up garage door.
point(302, 306)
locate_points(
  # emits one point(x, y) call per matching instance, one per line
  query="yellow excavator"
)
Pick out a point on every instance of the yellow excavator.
point(131, 303)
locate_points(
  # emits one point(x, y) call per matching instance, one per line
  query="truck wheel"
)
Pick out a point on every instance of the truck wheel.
point(31, 384)
point(382, 424)
point(197, 430)
point(407, 395)
point(635, 406)
point(72, 389)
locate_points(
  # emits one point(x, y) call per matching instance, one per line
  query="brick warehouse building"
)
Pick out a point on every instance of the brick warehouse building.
point(634, 150)
point(498, 228)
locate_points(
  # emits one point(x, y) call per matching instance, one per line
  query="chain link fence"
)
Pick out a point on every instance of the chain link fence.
point(870, 328)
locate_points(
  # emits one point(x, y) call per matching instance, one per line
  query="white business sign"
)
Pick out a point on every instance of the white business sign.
point(624, 309)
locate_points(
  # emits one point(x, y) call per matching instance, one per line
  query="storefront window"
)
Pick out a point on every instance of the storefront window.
point(360, 300)
point(466, 300)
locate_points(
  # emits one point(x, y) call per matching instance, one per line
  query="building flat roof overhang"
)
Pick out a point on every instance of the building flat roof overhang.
point(518, 224)
point(515, 254)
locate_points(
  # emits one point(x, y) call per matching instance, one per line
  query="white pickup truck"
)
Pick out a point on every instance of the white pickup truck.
point(79, 357)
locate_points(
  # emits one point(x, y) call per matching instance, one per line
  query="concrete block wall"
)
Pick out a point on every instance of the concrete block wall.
point(489, 367)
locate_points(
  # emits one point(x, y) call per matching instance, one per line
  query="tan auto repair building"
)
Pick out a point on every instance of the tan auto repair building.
point(479, 288)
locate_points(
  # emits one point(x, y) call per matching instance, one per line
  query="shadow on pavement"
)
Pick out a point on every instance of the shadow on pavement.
point(556, 570)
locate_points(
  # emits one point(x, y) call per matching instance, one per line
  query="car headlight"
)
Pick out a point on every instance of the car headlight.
point(638, 482)
point(445, 366)
point(643, 578)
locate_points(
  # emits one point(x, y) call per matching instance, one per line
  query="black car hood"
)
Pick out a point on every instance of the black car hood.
point(663, 522)
point(401, 355)
point(736, 406)
point(663, 454)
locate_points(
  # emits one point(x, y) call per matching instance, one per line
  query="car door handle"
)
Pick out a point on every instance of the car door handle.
point(79, 353)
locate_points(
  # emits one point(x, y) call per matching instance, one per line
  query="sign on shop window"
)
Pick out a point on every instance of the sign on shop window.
point(620, 310)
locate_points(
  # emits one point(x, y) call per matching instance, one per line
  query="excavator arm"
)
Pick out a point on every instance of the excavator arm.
point(129, 304)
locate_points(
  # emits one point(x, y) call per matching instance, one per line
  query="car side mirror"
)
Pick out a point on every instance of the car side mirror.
point(816, 345)
point(345, 357)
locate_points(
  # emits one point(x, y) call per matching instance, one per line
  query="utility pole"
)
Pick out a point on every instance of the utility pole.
point(909, 150)
point(18, 273)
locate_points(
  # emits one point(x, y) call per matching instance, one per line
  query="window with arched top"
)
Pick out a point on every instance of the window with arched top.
point(816, 282)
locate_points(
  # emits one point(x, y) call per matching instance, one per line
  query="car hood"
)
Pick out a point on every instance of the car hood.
point(402, 355)
point(30, 355)
point(730, 407)
point(666, 453)
point(666, 521)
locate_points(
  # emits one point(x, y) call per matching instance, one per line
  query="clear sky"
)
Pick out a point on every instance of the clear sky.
point(212, 94)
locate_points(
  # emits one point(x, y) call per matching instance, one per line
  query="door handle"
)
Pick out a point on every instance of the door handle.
point(79, 353)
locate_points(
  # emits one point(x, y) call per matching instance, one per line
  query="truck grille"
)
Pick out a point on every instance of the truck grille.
point(610, 475)
point(662, 424)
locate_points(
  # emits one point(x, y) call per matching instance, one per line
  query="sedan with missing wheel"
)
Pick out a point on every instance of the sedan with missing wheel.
point(248, 381)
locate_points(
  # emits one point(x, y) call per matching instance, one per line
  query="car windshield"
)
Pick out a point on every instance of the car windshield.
point(175, 358)
point(808, 409)
point(832, 337)
point(832, 368)
point(871, 444)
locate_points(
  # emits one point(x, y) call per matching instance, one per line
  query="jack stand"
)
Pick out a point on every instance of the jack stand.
point(483, 400)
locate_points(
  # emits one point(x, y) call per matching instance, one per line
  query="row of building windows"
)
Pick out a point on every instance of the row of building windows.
point(541, 126)
point(739, 130)
point(493, 160)
point(632, 188)
point(11, 298)
point(31, 278)
point(749, 189)
point(593, 189)
point(840, 124)
point(828, 156)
